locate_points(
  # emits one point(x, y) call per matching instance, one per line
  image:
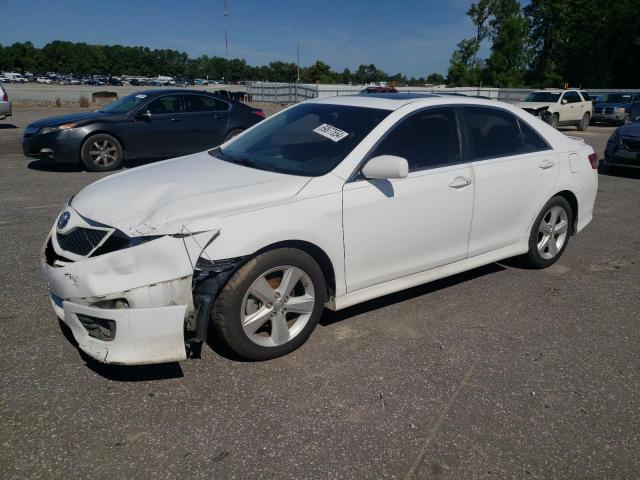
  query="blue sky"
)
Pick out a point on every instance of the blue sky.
point(410, 36)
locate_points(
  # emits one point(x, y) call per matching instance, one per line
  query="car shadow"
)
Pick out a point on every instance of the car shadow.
point(330, 317)
point(45, 166)
point(125, 373)
point(7, 126)
point(619, 172)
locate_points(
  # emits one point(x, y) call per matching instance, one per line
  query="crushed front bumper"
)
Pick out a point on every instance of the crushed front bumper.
point(152, 281)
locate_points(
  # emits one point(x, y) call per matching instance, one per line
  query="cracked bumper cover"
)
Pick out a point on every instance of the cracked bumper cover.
point(155, 279)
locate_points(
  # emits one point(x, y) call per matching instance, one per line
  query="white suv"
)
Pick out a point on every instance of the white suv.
point(5, 104)
point(566, 107)
point(328, 203)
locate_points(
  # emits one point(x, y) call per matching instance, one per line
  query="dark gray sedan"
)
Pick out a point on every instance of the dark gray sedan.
point(623, 147)
point(152, 124)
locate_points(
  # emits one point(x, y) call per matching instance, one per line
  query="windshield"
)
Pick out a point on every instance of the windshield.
point(124, 104)
point(546, 97)
point(310, 139)
point(617, 98)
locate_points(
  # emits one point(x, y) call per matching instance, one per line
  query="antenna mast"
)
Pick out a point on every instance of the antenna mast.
point(226, 41)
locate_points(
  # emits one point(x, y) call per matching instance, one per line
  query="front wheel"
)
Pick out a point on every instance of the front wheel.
point(271, 305)
point(550, 233)
point(555, 119)
point(101, 153)
point(584, 123)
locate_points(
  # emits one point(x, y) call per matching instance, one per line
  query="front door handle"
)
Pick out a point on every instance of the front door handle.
point(177, 119)
point(546, 164)
point(460, 182)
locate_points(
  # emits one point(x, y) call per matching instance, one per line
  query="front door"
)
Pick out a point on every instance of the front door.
point(395, 228)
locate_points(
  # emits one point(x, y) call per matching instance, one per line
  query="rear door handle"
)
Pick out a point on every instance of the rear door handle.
point(177, 119)
point(460, 182)
point(546, 164)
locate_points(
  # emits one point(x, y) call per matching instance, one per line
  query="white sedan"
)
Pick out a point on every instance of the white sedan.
point(329, 203)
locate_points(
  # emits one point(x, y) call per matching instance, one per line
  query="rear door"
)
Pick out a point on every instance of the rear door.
point(161, 135)
point(515, 173)
point(207, 120)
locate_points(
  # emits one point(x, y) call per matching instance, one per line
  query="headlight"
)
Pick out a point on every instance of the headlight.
point(615, 138)
point(64, 126)
point(620, 110)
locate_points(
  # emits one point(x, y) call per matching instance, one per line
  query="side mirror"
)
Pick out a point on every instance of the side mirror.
point(144, 115)
point(386, 167)
point(563, 101)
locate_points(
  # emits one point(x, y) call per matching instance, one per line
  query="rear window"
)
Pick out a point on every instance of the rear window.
point(546, 97)
point(310, 139)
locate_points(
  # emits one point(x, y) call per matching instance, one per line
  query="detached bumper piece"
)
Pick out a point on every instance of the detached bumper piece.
point(133, 336)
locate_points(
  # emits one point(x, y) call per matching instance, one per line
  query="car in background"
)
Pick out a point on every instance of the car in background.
point(201, 81)
point(623, 148)
point(43, 80)
point(378, 90)
point(615, 108)
point(148, 124)
point(566, 107)
point(115, 82)
point(332, 202)
point(5, 104)
point(12, 77)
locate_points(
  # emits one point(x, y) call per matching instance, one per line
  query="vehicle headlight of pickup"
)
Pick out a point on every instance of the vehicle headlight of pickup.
point(57, 128)
point(620, 109)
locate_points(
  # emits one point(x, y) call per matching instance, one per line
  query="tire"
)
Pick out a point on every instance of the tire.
point(233, 133)
point(101, 153)
point(626, 120)
point(555, 119)
point(584, 123)
point(254, 293)
point(543, 255)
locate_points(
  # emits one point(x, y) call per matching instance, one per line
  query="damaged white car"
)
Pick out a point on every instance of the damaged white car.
point(329, 203)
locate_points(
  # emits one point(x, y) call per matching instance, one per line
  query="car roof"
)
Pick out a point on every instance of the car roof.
point(393, 101)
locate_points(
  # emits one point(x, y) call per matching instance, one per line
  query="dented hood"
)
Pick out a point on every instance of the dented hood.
point(185, 194)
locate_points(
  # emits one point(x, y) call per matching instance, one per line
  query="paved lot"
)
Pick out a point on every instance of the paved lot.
point(497, 373)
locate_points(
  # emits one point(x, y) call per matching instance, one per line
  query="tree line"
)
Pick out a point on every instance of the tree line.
point(547, 43)
point(585, 43)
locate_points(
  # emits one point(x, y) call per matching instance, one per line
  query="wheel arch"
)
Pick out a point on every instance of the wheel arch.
point(317, 253)
point(103, 132)
point(570, 197)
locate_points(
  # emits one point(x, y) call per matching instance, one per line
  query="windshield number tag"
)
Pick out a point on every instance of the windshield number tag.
point(332, 133)
point(141, 96)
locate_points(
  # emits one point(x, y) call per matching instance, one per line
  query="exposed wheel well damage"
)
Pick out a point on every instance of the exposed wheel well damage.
point(210, 277)
point(570, 197)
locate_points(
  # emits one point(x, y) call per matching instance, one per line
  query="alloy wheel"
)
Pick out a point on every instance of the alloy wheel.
point(277, 306)
point(103, 153)
point(552, 232)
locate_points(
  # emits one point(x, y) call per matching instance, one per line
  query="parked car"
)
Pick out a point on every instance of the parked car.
point(200, 81)
point(114, 81)
point(623, 148)
point(148, 124)
point(332, 202)
point(615, 108)
point(5, 104)
point(379, 90)
point(567, 107)
point(43, 80)
point(12, 77)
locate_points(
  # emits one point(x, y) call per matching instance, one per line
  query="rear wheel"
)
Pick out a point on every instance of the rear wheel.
point(101, 153)
point(555, 120)
point(271, 305)
point(584, 123)
point(550, 233)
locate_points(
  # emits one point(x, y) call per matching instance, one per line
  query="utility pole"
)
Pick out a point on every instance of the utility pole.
point(226, 41)
point(298, 76)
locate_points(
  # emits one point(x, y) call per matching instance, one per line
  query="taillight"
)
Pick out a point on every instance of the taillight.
point(260, 113)
point(593, 160)
point(5, 97)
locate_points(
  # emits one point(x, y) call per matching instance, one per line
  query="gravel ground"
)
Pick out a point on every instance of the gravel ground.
point(500, 372)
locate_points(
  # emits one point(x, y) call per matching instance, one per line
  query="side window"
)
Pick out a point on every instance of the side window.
point(572, 97)
point(531, 141)
point(586, 96)
point(202, 103)
point(492, 133)
point(166, 104)
point(427, 139)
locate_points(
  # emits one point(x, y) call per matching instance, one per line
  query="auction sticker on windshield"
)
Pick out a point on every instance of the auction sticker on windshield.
point(330, 132)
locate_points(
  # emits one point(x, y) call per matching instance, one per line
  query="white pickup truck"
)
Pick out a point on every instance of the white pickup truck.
point(566, 107)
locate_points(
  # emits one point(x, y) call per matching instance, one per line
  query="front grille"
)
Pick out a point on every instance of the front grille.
point(608, 110)
point(598, 110)
point(80, 240)
point(631, 144)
